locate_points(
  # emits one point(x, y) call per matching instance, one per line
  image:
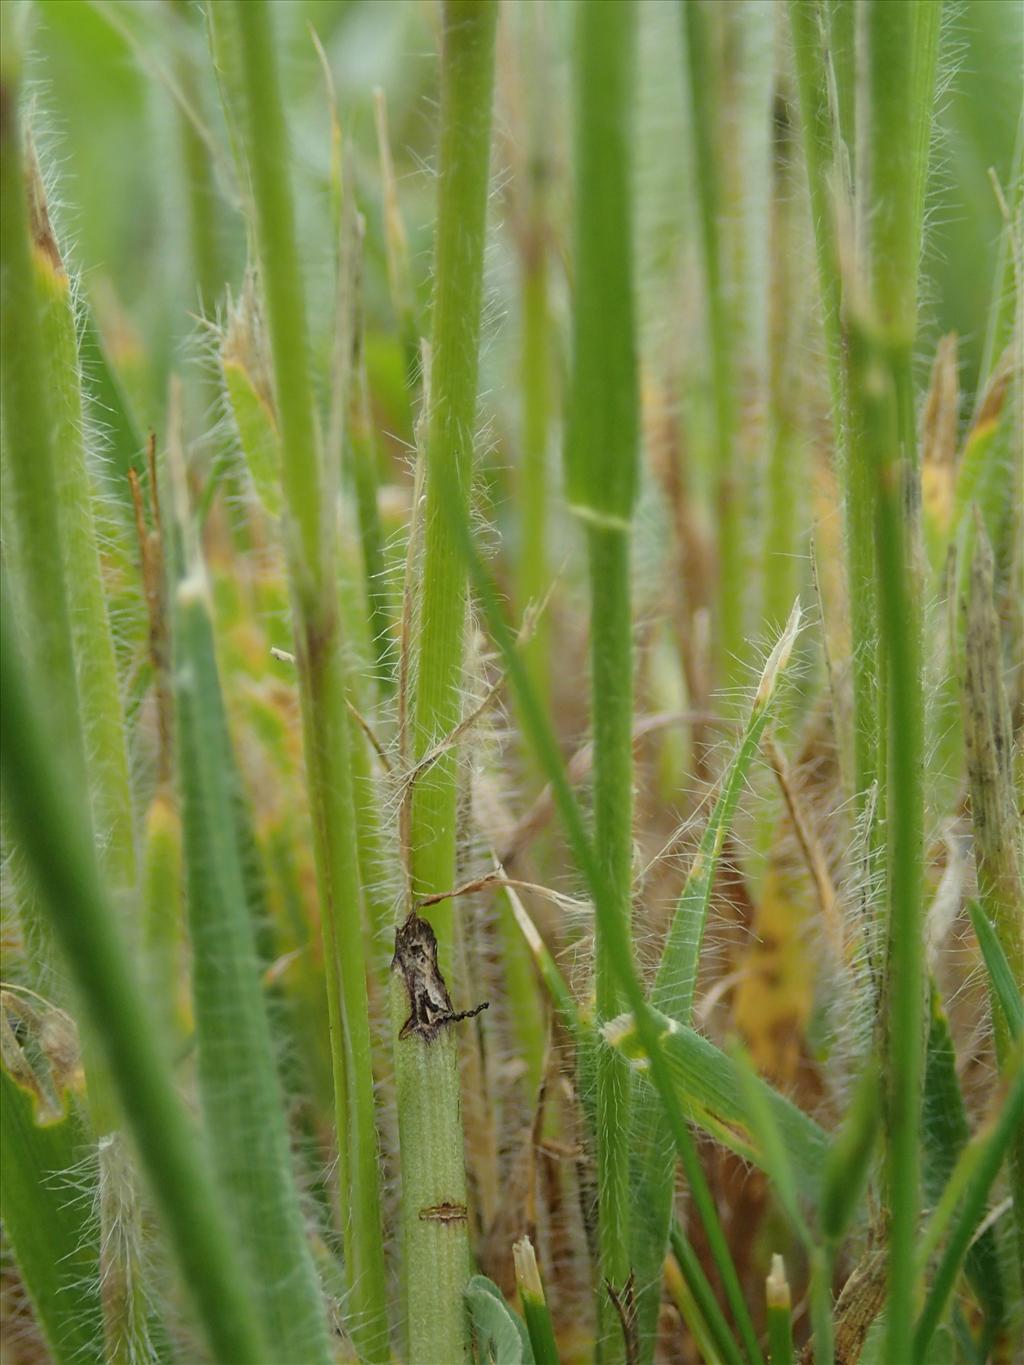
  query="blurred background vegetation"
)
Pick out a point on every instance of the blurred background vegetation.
point(125, 113)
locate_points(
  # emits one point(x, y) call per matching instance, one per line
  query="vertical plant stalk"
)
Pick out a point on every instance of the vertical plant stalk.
point(37, 558)
point(43, 797)
point(711, 1320)
point(397, 245)
point(102, 715)
point(242, 1102)
point(995, 818)
point(902, 997)
point(535, 1308)
point(701, 69)
point(310, 546)
point(66, 631)
point(779, 1306)
point(50, 1235)
point(467, 77)
point(601, 455)
point(126, 1326)
point(436, 1240)
point(826, 155)
point(32, 549)
point(784, 474)
point(362, 454)
point(822, 159)
point(537, 351)
point(200, 187)
point(900, 46)
point(612, 716)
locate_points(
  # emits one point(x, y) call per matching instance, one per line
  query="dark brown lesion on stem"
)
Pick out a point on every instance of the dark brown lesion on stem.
point(430, 1004)
point(444, 1213)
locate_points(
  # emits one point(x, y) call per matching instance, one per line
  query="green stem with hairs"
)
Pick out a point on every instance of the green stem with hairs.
point(995, 818)
point(437, 1261)
point(310, 544)
point(826, 150)
point(200, 185)
point(701, 69)
point(620, 956)
point(601, 468)
point(467, 75)
point(900, 49)
point(537, 356)
point(54, 556)
point(820, 145)
point(33, 550)
point(103, 724)
point(785, 470)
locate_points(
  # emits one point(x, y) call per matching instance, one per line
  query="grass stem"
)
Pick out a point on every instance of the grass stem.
point(436, 1251)
point(602, 475)
point(900, 45)
point(701, 70)
point(310, 544)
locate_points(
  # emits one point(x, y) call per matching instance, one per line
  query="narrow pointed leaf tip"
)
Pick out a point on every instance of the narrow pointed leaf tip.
point(779, 657)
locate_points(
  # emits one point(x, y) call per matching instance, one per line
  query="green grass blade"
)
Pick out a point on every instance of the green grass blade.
point(360, 450)
point(601, 469)
point(708, 1081)
point(1004, 1130)
point(537, 355)
point(810, 55)
point(780, 1315)
point(48, 1225)
point(900, 43)
point(672, 993)
point(1004, 987)
point(33, 567)
point(848, 1163)
point(125, 442)
point(242, 1101)
point(53, 558)
point(535, 1308)
point(704, 1299)
point(945, 1133)
point(786, 1185)
point(248, 385)
point(676, 978)
point(554, 982)
point(103, 723)
point(42, 798)
point(701, 71)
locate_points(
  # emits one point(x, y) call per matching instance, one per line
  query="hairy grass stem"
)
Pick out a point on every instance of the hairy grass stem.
point(436, 1252)
point(601, 464)
point(310, 532)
